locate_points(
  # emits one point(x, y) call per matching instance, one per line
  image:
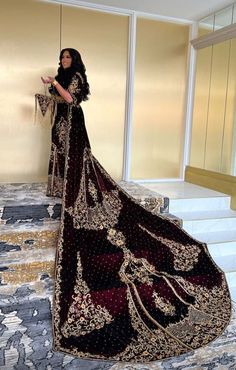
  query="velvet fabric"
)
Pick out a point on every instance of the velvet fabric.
point(129, 285)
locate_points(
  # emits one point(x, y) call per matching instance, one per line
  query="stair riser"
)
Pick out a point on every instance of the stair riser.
point(210, 225)
point(199, 204)
point(222, 249)
point(27, 256)
point(31, 213)
point(227, 264)
point(231, 279)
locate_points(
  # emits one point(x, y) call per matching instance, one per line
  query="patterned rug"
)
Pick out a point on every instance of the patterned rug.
point(26, 338)
point(27, 261)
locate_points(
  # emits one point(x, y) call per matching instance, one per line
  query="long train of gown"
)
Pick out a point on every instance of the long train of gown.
point(129, 285)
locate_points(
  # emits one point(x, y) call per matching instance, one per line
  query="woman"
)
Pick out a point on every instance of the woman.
point(129, 285)
point(68, 88)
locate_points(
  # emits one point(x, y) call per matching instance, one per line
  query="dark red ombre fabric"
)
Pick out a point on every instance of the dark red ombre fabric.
point(129, 285)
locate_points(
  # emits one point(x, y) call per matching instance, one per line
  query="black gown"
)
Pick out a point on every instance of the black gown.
point(129, 285)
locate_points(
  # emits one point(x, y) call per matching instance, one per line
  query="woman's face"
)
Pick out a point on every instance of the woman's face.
point(66, 59)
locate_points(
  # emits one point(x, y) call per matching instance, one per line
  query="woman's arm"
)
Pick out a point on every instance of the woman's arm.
point(64, 93)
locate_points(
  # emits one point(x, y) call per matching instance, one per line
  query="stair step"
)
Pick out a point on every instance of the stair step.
point(210, 225)
point(48, 224)
point(150, 199)
point(30, 213)
point(27, 254)
point(231, 279)
point(216, 236)
point(222, 249)
point(203, 215)
point(199, 204)
point(224, 254)
point(29, 203)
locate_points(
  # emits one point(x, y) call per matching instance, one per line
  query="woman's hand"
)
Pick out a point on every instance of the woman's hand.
point(63, 92)
point(47, 80)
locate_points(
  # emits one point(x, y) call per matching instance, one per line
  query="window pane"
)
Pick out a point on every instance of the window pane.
point(229, 135)
point(223, 18)
point(200, 112)
point(159, 99)
point(217, 103)
point(206, 25)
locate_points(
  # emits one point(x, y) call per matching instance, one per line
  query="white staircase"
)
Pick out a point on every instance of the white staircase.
point(206, 216)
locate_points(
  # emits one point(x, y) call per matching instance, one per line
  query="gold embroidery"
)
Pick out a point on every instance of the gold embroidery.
point(83, 316)
point(57, 335)
point(148, 343)
point(197, 328)
point(92, 190)
point(136, 269)
point(132, 269)
point(62, 135)
point(117, 238)
point(103, 214)
point(55, 182)
point(185, 256)
point(44, 103)
point(215, 301)
point(163, 304)
point(74, 88)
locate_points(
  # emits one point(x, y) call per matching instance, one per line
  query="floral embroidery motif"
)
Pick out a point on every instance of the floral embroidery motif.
point(187, 330)
point(213, 300)
point(83, 316)
point(136, 270)
point(92, 190)
point(117, 238)
point(103, 214)
point(149, 341)
point(62, 135)
point(185, 256)
point(44, 103)
point(132, 269)
point(55, 180)
point(75, 88)
point(163, 304)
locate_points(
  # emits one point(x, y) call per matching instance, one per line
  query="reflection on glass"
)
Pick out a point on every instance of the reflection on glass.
point(234, 13)
point(234, 152)
point(223, 18)
point(206, 25)
point(200, 112)
point(217, 103)
point(229, 136)
point(213, 145)
point(159, 96)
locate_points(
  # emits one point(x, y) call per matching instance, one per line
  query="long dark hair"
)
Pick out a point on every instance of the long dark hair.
point(64, 76)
